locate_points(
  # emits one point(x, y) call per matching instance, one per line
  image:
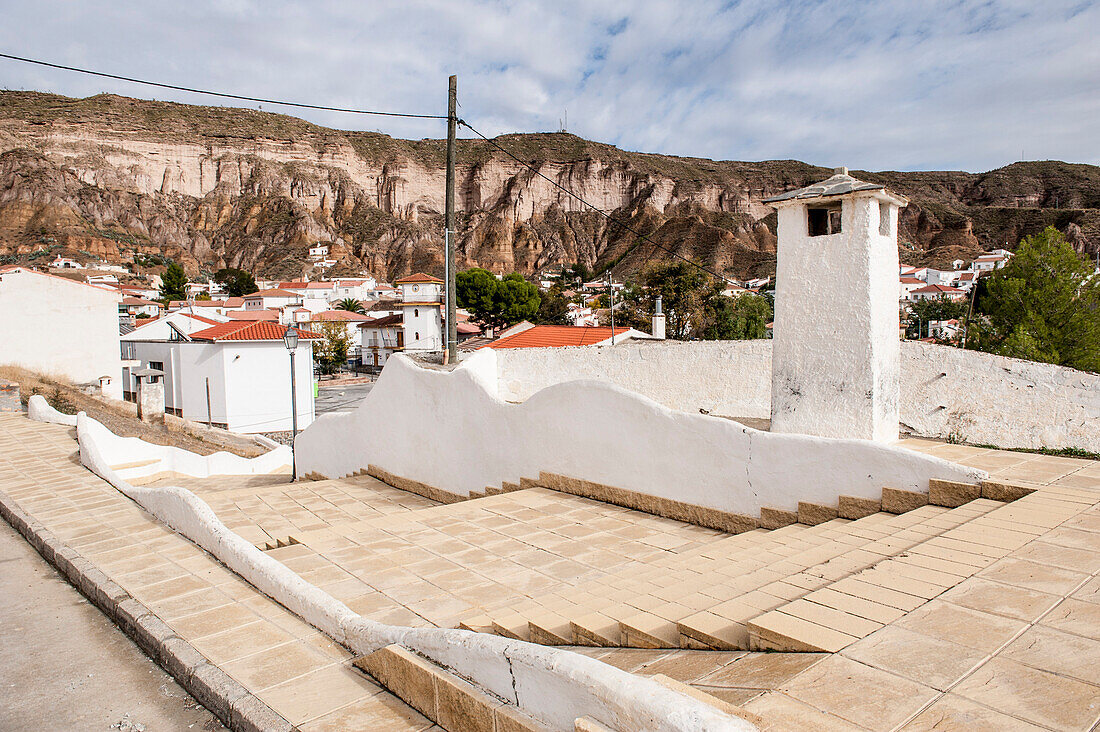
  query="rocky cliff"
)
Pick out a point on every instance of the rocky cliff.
point(132, 180)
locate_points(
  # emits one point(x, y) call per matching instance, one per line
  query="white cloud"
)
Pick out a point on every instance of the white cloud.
point(871, 84)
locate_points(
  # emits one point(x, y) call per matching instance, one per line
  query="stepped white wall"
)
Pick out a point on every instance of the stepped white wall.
point(980, 398)
point(452, 431)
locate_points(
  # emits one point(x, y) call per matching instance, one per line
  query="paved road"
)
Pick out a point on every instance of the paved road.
point(65, 666)
point(341, 398)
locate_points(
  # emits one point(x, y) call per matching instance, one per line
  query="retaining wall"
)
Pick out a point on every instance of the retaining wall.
point(946, 392)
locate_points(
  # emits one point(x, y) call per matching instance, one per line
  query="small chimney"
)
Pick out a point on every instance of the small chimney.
point(658, 329)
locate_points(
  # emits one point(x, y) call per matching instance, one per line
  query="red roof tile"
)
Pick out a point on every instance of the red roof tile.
point(383, 322)
point(418, 277)
point(252, 315)
point(544, 336)
point(947, 290)
point(249, 330)
point(339, 315)
point(274, 292)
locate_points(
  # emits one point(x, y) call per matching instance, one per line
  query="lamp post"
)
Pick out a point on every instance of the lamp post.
point(290, 340)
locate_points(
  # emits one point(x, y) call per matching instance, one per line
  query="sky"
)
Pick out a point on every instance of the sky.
point(874, 85)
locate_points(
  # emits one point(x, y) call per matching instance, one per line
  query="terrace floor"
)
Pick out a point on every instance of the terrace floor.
point(997, 624)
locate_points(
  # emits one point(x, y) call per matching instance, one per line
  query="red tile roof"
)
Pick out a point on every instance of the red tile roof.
point(252, 315)
point(418, 277)
point(130, 300)
point(383, 322)
point(274, 292)
point(911, 281)
point(544, 336)
point(946, 289)
point(467, 328)
point(249, 330)
point(339, 315)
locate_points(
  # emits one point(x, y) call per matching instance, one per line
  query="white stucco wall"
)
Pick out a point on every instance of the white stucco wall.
point(983, 399)
point(451, 430)
point(836, 368)
point(56, 326)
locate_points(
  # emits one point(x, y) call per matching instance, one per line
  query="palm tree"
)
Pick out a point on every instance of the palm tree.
point(351, 305)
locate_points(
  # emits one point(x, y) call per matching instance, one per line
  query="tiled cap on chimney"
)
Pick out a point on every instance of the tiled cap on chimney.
point(839, 184)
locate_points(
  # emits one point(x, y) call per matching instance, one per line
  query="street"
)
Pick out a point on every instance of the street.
point(65, 666)
point(340, 397)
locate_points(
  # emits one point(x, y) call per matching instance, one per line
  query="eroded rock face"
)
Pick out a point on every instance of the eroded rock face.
point(211, 187)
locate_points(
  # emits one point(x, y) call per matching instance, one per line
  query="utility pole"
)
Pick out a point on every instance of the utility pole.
point(451, 356)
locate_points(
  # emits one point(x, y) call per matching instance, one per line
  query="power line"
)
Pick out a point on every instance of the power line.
point(595, 208)
point(224, 95)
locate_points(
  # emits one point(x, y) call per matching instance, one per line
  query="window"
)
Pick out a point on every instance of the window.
point(417, 336)
point(823, 220)
point(884, 218)
point(158, 365)
point(416, 312)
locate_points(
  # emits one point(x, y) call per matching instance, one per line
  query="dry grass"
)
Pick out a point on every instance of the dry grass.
point(116, 416)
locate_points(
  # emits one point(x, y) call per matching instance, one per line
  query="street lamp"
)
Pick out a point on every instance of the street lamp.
point(290, 340)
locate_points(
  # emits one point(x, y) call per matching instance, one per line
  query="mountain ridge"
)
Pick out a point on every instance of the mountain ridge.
point(114, 177)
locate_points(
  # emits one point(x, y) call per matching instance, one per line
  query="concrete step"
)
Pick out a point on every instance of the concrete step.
point(745, 576)
point(830, 618)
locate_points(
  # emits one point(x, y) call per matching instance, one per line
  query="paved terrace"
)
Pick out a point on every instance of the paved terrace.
point(996, 625)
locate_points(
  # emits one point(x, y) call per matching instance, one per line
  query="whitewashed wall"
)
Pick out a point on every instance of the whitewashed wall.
point(982, 399)
point(56, 326)
point(452, 431)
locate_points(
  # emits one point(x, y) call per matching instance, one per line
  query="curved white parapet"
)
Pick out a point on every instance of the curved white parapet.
point(145, 458)
point(148, 459)
point(552, 685)
point(452, 431)
point(40, 410)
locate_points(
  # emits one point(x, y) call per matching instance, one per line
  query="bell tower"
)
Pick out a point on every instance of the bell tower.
point(836, 353)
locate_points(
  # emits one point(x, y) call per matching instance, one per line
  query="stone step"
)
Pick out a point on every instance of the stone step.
point(754, 572)
point(729, 626)
point(832, 617)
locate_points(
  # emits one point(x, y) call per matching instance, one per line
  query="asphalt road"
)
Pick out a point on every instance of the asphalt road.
point(340, 398)
point(65, 666)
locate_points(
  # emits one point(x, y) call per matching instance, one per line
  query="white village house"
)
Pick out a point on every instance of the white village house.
point(421, 296)
point(54, 325)
point(234, 375)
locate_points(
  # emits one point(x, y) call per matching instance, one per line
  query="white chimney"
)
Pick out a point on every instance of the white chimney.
point(658, 328)
point(835, 352)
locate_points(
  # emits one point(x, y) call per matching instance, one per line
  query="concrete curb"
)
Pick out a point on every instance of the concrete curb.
point(237, 707)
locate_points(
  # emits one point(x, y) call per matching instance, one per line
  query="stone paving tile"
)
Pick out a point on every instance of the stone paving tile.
point(781, 712)
point(960, 625)
point(1061, 653)
point(1038, 696)
point(859, 693)
point(931, 661)
point(953, 712)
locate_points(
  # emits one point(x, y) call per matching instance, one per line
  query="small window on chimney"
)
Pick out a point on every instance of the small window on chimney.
point(824, 220)
point(884, 218)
